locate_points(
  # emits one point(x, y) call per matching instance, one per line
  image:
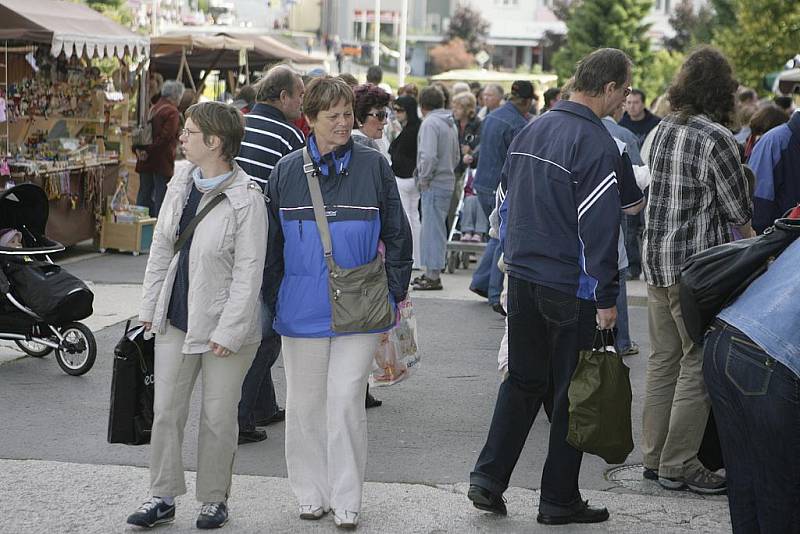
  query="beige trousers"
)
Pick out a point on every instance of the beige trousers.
point(326, 420)
point(676, 402)
point(175, 376)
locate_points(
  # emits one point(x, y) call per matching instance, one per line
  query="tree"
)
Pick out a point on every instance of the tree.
point(468, 25)
point(451, 55)
point(660, 72)
point(593, 24)
point(116, 10)
point(691, 27)
point(766, 34)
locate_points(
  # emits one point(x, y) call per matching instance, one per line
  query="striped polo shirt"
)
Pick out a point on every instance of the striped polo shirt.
point(267, 138)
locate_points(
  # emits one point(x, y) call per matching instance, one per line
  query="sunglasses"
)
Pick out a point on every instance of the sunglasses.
point(399, 110)
point(380, 115)
point(628, 91)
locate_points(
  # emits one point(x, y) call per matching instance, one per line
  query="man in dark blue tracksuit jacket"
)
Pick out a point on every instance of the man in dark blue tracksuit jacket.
point(563, 179)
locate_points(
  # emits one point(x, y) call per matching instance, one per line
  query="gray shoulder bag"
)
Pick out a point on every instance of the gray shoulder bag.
point(359, 296)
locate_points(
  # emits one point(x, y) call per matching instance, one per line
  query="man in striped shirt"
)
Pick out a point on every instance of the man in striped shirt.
point(269, 134)
point(268, 137)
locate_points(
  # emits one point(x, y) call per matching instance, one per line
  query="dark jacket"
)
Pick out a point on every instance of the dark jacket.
point(776, 163)
point(469, 135)
point(166, 123)
point(403, 149)
point(561, 213)
point(268, 137)
point(640, 128)
point(363, 206)
point(498, 130)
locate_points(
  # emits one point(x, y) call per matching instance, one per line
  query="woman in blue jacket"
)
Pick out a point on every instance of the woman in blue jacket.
point(326, 373)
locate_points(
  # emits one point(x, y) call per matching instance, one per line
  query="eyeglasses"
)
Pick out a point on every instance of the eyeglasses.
point(186, 131)
point(628, 91)
point(399, 110)
point(380, 115)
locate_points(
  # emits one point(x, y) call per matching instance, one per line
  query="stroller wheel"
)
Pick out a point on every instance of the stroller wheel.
point(78, 351)
point(32, 348)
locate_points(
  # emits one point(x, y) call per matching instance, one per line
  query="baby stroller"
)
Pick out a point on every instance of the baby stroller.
point(40, 303)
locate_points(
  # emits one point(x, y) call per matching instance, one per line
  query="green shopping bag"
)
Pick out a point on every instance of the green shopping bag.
point(600, 403)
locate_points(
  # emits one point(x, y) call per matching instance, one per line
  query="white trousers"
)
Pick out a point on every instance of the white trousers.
point(217, 440)
point(409, 196)
point(326, 420)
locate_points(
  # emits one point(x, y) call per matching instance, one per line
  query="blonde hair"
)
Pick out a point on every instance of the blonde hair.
point(466, 101)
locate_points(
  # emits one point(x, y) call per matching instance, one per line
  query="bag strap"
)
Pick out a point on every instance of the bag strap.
point(186, 234)
point(319, 205)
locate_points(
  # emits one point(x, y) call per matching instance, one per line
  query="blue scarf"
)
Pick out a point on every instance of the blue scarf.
point(204, 185)
point(338, 159)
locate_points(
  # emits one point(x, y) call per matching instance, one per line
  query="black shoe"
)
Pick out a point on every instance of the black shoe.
point(212, 515)
point(277, 417)
point(426, 284)
point(650, 474)
point(499, 309)
point(372, 402)
point(480, 292)
point(588, 514)
point(154, 511)
point(483, 499)
point(251, 436)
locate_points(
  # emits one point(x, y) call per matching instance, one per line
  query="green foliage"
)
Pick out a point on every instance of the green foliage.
point(658, 74)
point(116, 10)
point(766, 34)
point(593, 24)
point(468, 25)
point(691, 27)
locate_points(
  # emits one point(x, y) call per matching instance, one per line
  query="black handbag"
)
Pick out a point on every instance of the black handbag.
point(713, 278)
point(130, 418)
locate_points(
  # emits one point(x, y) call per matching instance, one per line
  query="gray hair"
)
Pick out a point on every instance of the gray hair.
point(276, 80)
point(496, 88)
point(460, 87)
point(173, 90)
point(599, 68)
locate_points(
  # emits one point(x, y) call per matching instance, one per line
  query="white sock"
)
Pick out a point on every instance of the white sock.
point(169, 501)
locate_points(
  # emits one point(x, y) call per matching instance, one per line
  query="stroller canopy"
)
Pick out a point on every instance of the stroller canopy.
point(25, 207)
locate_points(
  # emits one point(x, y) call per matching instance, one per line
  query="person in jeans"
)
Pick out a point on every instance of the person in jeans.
point(326, 373)
point(751, 366)
point(437, 157)
point(498, 130)
point(403, 151)
point(698, 190)
point(155, 162)
point(565, 186)
point(203, 302)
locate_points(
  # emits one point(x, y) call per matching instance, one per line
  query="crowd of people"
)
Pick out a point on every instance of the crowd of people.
point(571, 200)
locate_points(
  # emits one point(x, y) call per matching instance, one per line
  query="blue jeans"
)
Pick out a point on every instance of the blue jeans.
point(435, 204)
point(488, 277)
point(258, 400)
point(623, 339)
point(546, 331)
point(152, 188)
point(756, 404)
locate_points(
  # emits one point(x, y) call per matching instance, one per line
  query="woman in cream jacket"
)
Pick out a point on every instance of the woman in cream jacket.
point(202, 302)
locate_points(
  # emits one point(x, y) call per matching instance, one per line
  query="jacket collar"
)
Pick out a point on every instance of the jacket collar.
point(578, 109)
point(266, 110)
point(794, 122)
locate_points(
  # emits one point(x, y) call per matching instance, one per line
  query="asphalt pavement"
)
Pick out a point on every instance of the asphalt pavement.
point(58, 473)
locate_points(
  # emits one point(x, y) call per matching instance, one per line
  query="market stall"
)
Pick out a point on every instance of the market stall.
point(191, 57)
point(68, 73)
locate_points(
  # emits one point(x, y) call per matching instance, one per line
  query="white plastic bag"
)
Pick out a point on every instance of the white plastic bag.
point(397, 355)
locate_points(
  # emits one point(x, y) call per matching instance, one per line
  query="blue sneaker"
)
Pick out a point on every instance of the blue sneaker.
point(212, 515)
point(154, 511)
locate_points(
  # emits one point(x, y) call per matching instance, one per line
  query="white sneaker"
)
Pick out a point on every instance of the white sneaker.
point(345, 519)
point(311, 512)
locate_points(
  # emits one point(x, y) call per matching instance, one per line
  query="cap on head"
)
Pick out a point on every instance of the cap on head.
point(522, 89)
